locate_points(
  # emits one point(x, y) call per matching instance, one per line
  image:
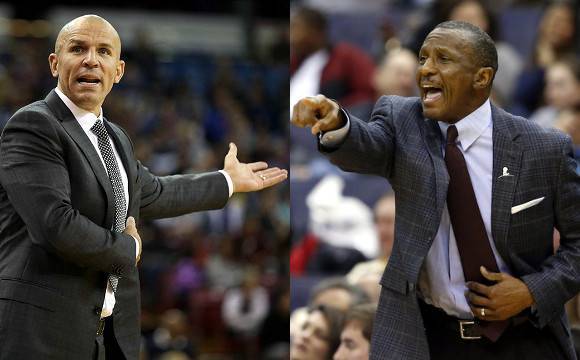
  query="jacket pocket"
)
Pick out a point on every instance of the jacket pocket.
point(30, 293)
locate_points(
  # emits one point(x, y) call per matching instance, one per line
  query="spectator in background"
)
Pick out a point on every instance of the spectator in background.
point(396, 74)
point(562, 90)
point(334, 292)
point(367, 275)
point(573, 311)
point(340, 71)
point(337, 293)
point(568, 121)
point(355, 337)
point(244, 309)
point(275, 339)
point(172, 335)
point(478, 13)
point(318, 336)
point(555, 40)
point(341, 232)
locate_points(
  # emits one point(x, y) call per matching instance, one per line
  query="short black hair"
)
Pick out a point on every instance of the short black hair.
point(483, 46)
point(312, 17)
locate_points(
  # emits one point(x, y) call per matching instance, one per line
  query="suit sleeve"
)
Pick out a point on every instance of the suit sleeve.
point(35, 176)
point(369, 147)
point(558, 279)
point(169, 196)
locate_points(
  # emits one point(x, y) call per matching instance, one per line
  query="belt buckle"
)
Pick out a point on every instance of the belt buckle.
point(462, 329)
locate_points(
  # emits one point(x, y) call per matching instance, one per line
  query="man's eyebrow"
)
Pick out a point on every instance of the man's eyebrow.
point(82, 42)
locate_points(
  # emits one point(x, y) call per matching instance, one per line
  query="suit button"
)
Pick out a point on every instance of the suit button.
point(410, 287)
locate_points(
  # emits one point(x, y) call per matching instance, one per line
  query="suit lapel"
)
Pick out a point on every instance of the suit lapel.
point(76, 132)
point(124, 149)
point(507, 157)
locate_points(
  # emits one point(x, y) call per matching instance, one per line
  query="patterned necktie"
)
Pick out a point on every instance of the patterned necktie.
point(115, 177)
point(470, 234)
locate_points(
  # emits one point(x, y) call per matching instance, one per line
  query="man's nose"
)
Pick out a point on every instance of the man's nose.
point(90, 59)
point(427, 69)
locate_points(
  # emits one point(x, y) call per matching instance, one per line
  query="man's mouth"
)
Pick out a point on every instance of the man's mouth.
point(431, 93)
point(88, 81)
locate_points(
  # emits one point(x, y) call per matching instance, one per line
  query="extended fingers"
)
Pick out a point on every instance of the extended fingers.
point(275, 177)
point(257, 166)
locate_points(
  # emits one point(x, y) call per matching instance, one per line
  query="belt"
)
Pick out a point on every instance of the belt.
point(467, 329)
point(100, 327)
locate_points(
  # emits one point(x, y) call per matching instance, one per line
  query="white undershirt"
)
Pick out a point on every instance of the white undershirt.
point(86, 120)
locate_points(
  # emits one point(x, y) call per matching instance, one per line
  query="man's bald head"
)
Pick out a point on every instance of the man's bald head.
point(82, 21)
point(87, 61)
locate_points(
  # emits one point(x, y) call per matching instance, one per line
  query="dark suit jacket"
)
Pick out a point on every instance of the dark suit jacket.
point(405, 148)
point(56, 246)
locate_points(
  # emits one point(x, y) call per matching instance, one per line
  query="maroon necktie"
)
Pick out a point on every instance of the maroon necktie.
point(470, 235)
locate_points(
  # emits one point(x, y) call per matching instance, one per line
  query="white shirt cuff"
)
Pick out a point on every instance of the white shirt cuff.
point(334, 137)
point(137, 247)
point(230, 182)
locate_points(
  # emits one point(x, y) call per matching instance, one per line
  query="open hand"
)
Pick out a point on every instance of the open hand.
point(253, 176)
point(500, 301)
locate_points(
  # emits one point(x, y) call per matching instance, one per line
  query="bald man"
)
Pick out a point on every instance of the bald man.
point(71, 192)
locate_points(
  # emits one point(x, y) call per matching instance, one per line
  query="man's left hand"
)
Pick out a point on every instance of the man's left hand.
point(253, 176)
point(500, 301)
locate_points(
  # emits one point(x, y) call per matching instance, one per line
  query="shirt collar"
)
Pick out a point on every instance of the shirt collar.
point(470, 127)
point(85, 118)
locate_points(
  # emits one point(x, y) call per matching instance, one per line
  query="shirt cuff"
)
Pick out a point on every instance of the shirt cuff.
point(137, 247)
point(230, 182)
point(333, 138)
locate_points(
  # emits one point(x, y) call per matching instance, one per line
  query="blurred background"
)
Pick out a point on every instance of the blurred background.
point(355, 51)
point(199, 74)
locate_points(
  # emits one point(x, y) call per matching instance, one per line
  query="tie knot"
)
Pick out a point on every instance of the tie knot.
point(452, 135)
point(99, 129)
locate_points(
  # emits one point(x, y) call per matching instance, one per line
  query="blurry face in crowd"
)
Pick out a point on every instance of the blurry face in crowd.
point(385, 222)
point(448, 76)
point(471, 12)
point(304, 39)
point(353, 344)
point(396, 75)
point(86, 61)
point(569, 122)
point(335, 297)
point(557, 26)
point(311, 339)
point(562, 88)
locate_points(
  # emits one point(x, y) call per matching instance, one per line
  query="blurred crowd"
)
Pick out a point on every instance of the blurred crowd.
point(214, 284)
point(332, 54)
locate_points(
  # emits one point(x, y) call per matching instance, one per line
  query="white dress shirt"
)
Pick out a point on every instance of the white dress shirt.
point(441, 282)
point(86, 120)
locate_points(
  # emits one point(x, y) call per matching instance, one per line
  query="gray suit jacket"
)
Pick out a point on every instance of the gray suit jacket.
point(56, 246)
point(401, 145)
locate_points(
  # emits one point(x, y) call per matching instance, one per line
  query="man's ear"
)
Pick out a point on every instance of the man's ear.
point(119, 71)
point(53, 63)
point(483, 78)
